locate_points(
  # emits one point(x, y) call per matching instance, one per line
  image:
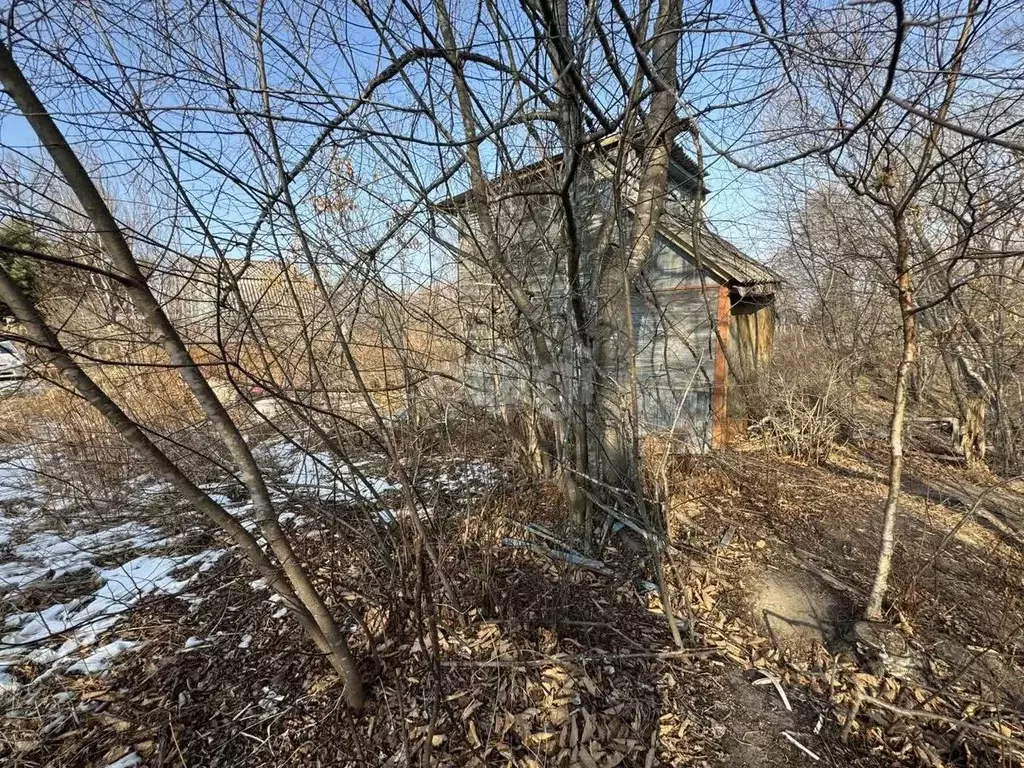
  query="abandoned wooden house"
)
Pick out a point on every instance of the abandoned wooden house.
point(702, 314)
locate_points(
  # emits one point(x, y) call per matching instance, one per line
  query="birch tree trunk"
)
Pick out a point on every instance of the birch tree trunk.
point(908, 320)
point(897, 422)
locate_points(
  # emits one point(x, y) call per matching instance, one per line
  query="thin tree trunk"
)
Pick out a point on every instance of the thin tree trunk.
point(52, 351)
point(905, 294)
point(617, 275)
point(577, 174)
point(887, 541)
point(548, 378)
point(118, 250)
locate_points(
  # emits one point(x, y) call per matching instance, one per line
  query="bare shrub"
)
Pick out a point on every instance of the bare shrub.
point(802, 404)
point(79, 458)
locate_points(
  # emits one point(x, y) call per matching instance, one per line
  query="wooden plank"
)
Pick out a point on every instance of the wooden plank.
point(719, 395)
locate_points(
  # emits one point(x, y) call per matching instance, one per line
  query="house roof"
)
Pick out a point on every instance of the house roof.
point(720, 257)
point(714, 253)
point(680, 159)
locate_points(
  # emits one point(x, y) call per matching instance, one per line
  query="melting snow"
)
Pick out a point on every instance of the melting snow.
point(57, 634)
point(84, 618)
point(468, 476)
point(50, 555)
point(17, 479)
point(320, 475)
point(130, 760)
point(100, 660)
point(62, 635)
point(7, 683)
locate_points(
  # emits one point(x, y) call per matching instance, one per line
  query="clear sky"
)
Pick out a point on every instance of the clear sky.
point(165, 103)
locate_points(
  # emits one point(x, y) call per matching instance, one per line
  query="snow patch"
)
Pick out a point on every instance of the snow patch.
point(130, 760)
point(99, 661)
point(18, 479)
point(320, 475)
point(469, 476)
point(83, 619)
point(8, 684)
point(48, 555)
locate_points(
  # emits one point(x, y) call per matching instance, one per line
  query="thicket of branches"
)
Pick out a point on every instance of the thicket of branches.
point(146, 142)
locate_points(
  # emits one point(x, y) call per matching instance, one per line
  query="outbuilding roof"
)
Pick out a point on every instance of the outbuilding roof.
point(680, 160)
point(714, 253)
point(720, 257)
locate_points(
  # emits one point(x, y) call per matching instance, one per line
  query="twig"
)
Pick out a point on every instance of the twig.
point(573, 558)
point(792, 740)
point(769, 678)
point(851, 717)
point(972, 512)
point(985, 732)
point(833, 581)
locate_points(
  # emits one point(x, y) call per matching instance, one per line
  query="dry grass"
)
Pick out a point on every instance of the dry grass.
point(77, 453)
point(404, 362)
point(802, 405)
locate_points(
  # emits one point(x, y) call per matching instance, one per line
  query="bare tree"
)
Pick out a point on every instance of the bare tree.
point(288, 577)
point(901, 167)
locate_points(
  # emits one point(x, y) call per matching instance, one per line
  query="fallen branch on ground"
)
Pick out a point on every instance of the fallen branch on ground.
point(952, 721)
point(572, 557)
point(661, 655)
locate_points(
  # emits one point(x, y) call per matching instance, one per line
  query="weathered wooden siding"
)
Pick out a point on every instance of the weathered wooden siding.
point(211, 299)
point(674, 310)
point(673, 318)
point(500, 365)
point(674, 314)
point(751, 333)
point(670, 268)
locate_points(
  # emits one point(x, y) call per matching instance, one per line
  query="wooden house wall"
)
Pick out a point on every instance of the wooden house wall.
point(674, 314)
point(674, 318)
point(751, 333)
point(500, 364)
point(278, 299)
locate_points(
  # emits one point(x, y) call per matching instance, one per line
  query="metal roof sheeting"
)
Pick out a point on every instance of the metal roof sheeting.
point(720, 257)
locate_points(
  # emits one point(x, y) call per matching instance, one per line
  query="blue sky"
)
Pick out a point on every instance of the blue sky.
point(339, 54)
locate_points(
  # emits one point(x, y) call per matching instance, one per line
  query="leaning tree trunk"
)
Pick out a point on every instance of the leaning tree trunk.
point(117, 249)
point(52, 351)
point(887, 540)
